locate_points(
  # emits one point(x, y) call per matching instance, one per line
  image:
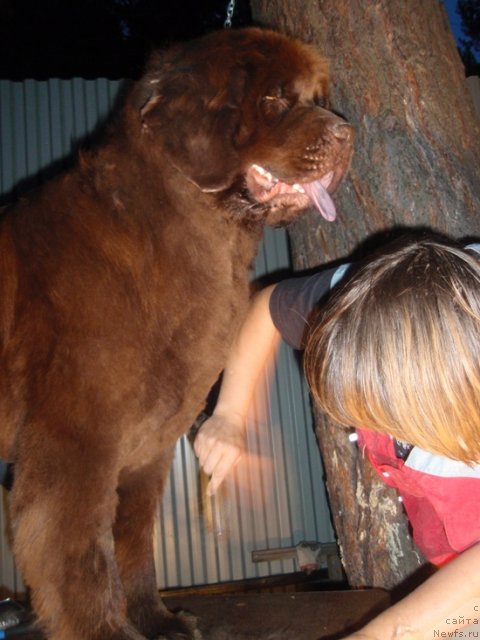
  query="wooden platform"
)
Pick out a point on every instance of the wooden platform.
point(279, 616)
point(300, 616)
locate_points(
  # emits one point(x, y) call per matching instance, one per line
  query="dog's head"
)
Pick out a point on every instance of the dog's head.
point(244, 114)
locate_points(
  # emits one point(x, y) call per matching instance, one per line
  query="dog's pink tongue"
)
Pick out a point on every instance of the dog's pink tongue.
point(321, 199)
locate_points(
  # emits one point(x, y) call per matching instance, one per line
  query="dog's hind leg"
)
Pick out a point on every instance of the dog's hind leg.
point(139, 493)
point(63, 505)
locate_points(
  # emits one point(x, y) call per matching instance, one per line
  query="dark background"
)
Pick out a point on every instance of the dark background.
point(111, 38)
point(99, 38)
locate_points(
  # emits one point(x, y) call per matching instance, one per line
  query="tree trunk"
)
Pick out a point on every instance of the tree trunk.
point(397, 77)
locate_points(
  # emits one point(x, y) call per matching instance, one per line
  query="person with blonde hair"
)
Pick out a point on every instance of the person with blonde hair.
point(392, 347)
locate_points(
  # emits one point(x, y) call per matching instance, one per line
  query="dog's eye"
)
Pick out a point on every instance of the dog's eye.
point(277, 101)
point(274, 107)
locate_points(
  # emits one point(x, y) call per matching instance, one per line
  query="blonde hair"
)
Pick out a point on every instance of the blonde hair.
point(397, 349)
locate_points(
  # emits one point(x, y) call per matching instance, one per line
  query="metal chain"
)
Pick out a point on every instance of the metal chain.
point(230, 10)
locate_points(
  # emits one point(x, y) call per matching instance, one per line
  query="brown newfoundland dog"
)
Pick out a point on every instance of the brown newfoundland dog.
point(122, 283)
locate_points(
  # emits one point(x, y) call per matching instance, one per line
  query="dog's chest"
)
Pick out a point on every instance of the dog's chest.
point(205, 295)
point(195, 328)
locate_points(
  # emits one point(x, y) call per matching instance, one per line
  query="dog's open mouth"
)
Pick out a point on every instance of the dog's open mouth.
point(264, 187)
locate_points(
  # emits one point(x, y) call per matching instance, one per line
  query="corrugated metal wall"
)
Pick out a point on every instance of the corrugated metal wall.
point(276, 497)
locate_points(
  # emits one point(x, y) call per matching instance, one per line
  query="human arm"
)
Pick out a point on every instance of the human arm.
point(279, 310)
point(220, 441)
point(435, 607)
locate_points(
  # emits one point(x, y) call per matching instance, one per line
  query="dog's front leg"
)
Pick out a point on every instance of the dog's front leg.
point(139, 492)
point(63, 505)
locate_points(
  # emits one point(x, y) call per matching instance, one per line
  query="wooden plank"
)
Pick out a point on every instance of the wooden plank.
point(306, 615)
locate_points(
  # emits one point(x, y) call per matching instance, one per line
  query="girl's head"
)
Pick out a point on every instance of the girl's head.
point(397, 348)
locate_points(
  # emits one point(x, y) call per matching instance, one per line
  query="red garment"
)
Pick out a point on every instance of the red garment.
point(441, 496)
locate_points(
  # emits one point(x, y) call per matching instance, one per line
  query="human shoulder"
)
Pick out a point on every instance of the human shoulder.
point(293, 300)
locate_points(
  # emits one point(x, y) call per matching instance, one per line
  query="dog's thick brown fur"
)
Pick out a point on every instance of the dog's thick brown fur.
point(122, 284)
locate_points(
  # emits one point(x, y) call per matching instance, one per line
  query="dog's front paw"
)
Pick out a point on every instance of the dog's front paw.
point(180, 626)
point(158, 623)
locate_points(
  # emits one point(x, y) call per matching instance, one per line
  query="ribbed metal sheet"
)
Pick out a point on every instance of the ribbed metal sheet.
point(41, 122)
point(276, 497)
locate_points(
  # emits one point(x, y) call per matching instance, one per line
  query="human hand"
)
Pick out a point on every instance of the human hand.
point(219, 445)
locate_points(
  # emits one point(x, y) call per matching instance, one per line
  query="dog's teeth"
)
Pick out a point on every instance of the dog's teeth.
point(299, 188)
point(263, 172)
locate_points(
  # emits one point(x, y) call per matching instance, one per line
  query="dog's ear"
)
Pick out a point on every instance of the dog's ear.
point(197, 116)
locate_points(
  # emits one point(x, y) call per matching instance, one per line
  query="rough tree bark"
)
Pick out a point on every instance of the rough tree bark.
point(397, 76)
